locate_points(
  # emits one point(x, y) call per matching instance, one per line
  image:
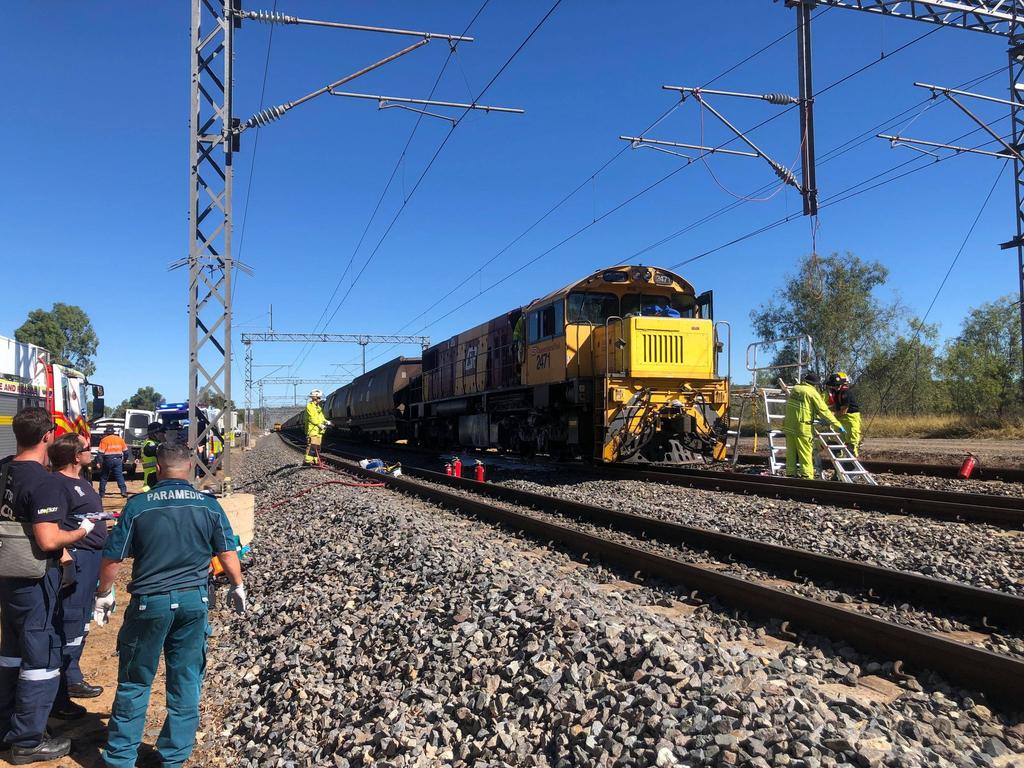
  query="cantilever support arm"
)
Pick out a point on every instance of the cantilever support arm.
point(784, 174)
point(896, 141)
point(276, 113)
point(273, 17)
point(394, 101)
point(951, 95)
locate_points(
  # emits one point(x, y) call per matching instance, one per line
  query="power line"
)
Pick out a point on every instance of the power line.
point(444, 141)
point(256, 141)
point(920, 327)
point(304, 351)
point(847, 146)
point(664, 178)
point(593, 175)
point(839, 197)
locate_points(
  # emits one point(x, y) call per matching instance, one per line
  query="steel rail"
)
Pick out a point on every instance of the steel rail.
point(916, 494)
point(999, 676)
point(1002, 511)
point(1007, 474)
point(989, 606)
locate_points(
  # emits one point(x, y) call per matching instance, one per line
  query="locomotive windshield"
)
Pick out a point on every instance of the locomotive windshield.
point(596, 308)
point(592, 308)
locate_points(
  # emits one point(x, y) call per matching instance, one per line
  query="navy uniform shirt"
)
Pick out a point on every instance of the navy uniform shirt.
point(171, 532)
point(34, 495)
point(844, 398)
point(83, 500)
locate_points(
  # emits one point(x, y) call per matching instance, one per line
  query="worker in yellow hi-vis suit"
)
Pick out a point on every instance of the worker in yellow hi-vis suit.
point(803, 406)
point(316, 425)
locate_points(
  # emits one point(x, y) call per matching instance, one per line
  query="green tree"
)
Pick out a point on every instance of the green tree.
point(832, 299)
point(65, 332)
point(982, 365)
point(145, 399)
point(903, 379)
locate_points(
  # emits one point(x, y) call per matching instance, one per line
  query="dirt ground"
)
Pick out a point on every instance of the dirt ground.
point(99, 666)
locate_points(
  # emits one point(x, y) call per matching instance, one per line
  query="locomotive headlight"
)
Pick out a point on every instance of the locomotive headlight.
point(662, 280)
point(642, 274)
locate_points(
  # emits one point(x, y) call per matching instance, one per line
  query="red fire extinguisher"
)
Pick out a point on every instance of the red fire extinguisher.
point(456, 466)
point(968, 466)
point(479, 471)
point(448, 469)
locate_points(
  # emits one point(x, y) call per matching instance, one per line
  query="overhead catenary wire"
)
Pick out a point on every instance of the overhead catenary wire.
point(942, 284)
point(854, 190)
point(864, 137)
point(255, 142)
point(632, 198)
point(305, 350)
point(590, 178)
point(437, 152)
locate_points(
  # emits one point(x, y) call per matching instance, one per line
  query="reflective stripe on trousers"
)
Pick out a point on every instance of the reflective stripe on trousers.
point(30, 634)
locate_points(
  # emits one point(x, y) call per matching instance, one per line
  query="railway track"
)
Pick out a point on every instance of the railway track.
point(1002, 511)
point(1006, 474)
point(997, 675)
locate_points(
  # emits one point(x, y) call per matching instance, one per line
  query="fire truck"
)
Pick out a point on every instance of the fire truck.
point(29, 377)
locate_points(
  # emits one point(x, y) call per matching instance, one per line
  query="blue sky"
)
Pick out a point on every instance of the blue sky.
point(94, 184)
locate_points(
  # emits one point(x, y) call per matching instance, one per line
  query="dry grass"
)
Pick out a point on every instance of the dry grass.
point(943, 425)
point(927, 426)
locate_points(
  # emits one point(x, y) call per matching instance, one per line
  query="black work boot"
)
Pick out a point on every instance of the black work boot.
point(83, 690)
point(47, 749)
point(68, 711)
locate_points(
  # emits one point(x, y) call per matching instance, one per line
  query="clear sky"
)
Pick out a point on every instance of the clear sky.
point(94, 126)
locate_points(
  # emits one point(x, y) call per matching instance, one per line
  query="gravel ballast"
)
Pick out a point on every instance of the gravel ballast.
point(981, 555)
point(386, 631)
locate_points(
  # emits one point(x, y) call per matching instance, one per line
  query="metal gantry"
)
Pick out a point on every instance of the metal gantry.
point(214, 138)
point(362, 339)
point(995, 17)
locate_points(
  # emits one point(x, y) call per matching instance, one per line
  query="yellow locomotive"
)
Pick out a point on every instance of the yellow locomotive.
point(621, 366)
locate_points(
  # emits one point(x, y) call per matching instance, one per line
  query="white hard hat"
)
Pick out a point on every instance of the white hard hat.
point(316, 394)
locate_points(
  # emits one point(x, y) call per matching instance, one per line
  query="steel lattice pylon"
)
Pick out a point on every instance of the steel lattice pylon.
point(210, 263)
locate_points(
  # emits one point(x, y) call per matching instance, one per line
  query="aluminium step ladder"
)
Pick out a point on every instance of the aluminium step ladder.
point(774, 402)
point(847, 467)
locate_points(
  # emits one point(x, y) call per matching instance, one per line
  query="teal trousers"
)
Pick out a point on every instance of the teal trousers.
point(176, 625)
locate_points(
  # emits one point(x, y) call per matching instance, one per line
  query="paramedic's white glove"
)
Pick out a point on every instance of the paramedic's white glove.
point(87, 525)
point(236, 598)
point(103, 607)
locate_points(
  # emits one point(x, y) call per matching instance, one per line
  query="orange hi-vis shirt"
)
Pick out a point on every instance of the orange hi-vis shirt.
point(113, 444)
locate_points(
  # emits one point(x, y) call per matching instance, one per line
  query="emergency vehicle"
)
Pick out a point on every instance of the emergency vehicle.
point(28, 377)
point(132, 428)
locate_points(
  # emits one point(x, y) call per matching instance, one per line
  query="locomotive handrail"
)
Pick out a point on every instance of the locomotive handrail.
point(728, 350)
point(802, 361)
point(608, 343)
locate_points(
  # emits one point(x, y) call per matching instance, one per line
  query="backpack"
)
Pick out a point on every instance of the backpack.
point(20, 556)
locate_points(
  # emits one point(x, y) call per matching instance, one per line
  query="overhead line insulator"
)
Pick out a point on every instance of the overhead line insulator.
point(782, 99)
point(270, 17)
point(266, 116)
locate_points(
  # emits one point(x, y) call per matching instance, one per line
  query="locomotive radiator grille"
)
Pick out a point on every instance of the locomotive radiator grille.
point(663, 348)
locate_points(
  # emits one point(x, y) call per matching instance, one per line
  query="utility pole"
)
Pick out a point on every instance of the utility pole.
point(214, 137)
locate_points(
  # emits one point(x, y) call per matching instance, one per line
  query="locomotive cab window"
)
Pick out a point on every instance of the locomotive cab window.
point(592, 308)
point(654, 305)
point(546, 322)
